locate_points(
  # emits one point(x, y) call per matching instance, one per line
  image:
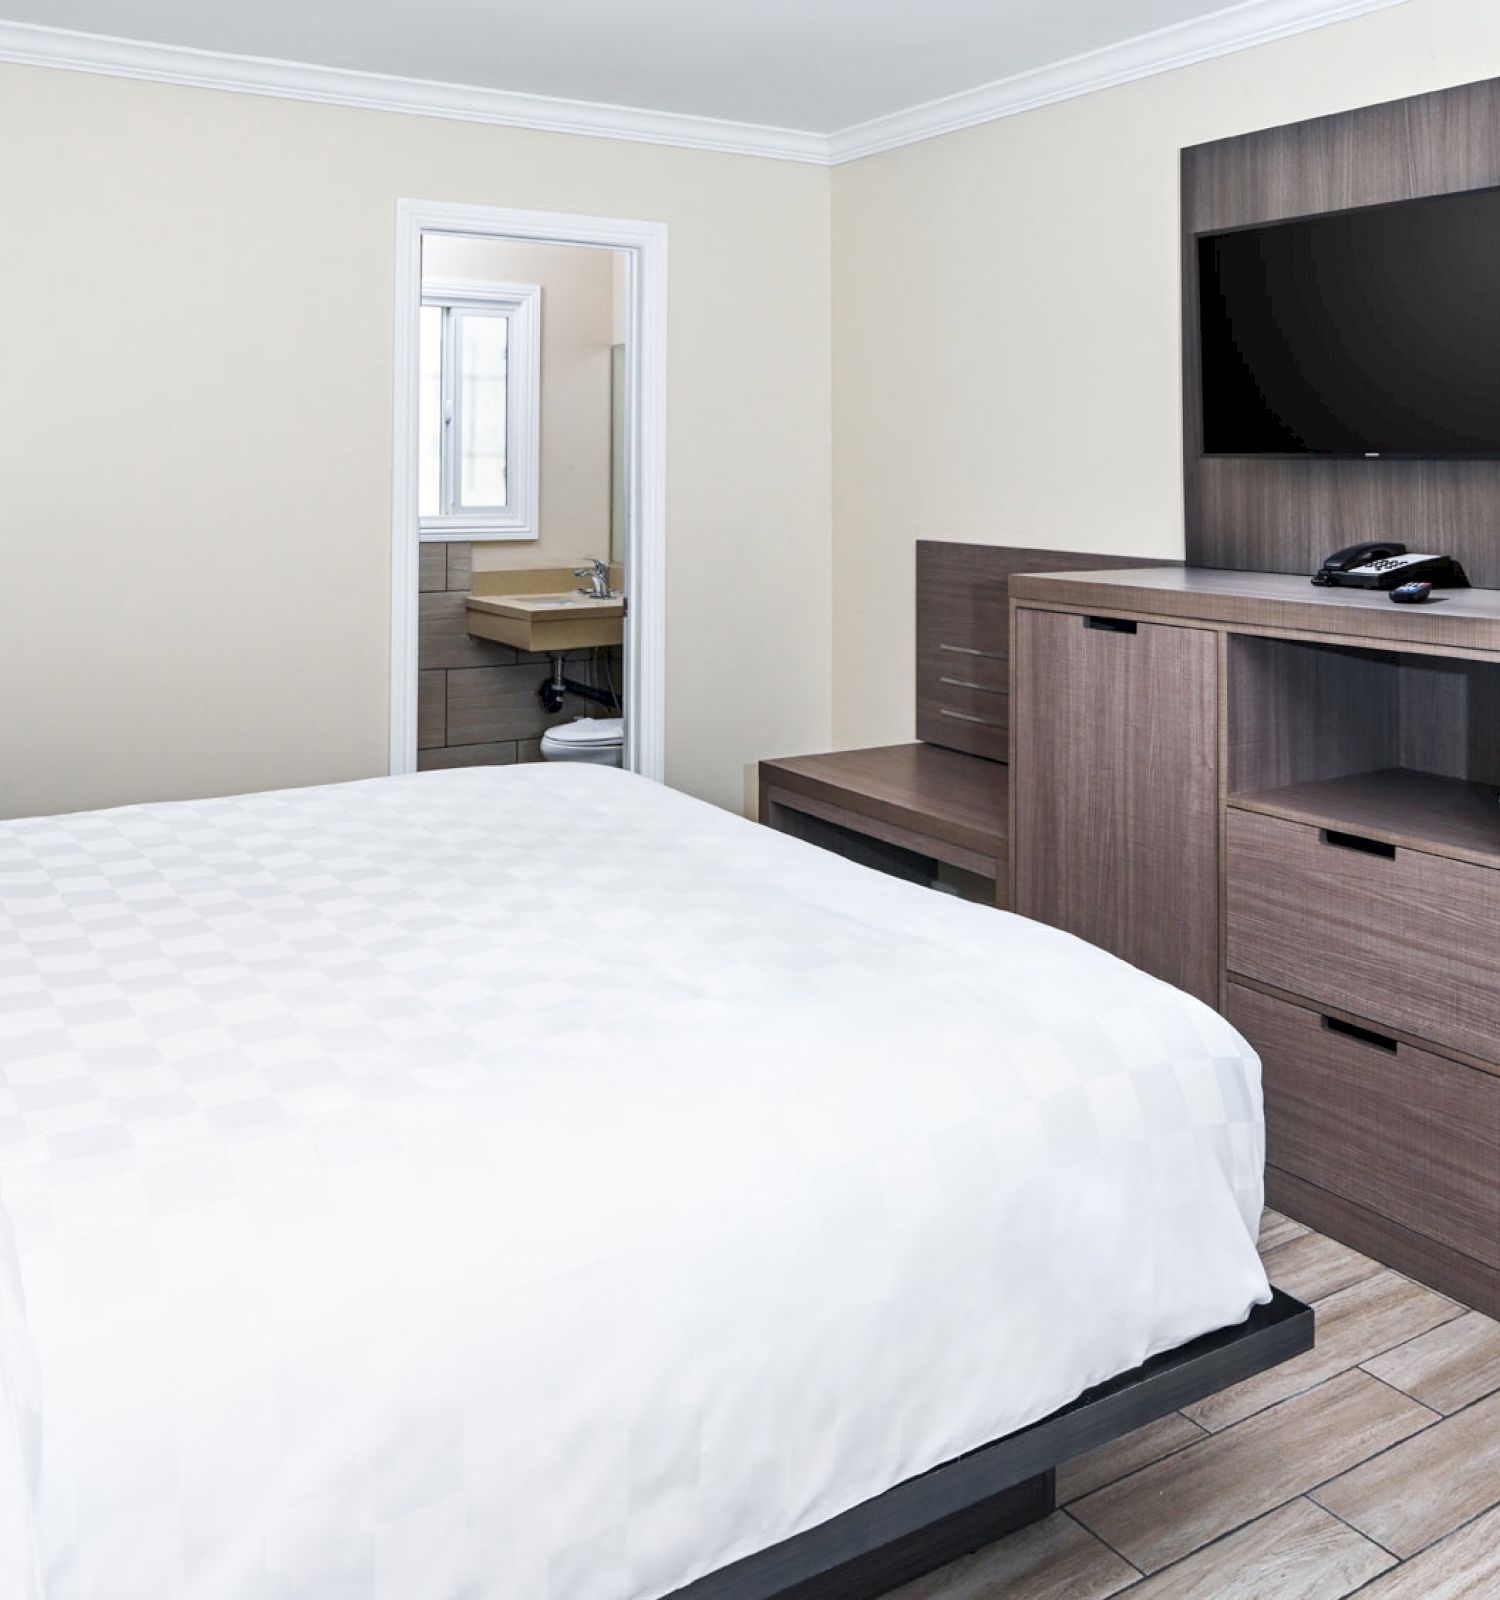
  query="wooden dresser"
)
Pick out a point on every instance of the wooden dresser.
point(1286, 800)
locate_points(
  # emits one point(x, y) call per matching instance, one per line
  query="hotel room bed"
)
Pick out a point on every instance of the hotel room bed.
point(534, 1184)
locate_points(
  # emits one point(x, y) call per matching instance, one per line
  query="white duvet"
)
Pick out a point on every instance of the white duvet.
point(532, 1184)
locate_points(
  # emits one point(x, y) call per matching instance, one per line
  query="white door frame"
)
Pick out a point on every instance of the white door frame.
point(645, 450)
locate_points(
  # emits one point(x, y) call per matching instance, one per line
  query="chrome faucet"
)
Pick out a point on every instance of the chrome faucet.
point(598, 576)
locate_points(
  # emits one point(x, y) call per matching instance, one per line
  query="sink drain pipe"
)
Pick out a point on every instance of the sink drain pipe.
point(559, 686)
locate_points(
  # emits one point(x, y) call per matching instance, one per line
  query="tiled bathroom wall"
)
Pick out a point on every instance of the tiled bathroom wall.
point(477, 702)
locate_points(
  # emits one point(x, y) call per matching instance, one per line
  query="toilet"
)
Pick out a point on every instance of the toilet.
point(599, 740)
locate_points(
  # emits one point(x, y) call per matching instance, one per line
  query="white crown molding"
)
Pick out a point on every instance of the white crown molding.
point(27, 45)
point(1220, 33)
point(1239, 27)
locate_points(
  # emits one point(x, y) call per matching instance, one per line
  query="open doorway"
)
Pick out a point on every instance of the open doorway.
point(528, 520)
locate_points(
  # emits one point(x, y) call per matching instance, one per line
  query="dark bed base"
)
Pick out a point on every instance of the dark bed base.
point(926, 1522)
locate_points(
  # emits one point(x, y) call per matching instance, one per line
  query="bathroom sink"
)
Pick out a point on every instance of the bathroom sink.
point(542, 610)
point(524, 605)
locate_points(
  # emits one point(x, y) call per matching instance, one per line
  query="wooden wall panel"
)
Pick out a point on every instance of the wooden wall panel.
point(1285, 515)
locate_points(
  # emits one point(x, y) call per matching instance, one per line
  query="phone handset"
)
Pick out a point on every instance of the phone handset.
point(1357, 555)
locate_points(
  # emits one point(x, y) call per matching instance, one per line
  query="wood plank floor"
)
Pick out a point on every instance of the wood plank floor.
point(1369, 1466)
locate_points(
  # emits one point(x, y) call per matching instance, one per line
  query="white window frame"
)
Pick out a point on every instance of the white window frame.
point(521, 305)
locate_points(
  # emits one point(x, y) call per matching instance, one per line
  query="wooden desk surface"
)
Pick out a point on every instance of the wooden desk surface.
point(1275, 601)
point(960, 798)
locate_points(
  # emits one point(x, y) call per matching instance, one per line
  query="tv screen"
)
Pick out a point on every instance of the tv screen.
point(1357, 333)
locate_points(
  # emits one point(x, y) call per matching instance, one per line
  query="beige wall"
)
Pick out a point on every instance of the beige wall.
point(195, 413)
point(1006, 320)
point(195, 423)
point(578, 326)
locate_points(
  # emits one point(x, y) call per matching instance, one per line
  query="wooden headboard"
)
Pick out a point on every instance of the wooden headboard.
point(963, 637)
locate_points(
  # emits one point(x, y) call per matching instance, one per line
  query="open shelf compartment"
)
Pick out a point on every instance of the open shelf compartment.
point(1402, 748)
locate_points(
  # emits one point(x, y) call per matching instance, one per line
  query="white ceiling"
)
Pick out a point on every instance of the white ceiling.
point(813, 65)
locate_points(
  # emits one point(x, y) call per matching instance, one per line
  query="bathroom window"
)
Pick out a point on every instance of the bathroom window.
point(478, 424)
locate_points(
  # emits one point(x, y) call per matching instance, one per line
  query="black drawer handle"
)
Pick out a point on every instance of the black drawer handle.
point(1380, 1041)
point(1357, 841)
point(1110, 624)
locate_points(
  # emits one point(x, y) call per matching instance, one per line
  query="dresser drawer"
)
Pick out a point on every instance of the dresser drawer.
point(944, 664)
point(963, 700)
point(1405, 1134)
point(1411, 941)
point(964, 703)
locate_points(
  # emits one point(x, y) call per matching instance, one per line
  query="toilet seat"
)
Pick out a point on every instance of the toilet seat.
point(597, 739)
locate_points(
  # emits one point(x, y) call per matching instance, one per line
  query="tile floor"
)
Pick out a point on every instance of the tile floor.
point(1368, 1466)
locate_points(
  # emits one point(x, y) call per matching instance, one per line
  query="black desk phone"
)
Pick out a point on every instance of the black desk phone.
point(1385, 564)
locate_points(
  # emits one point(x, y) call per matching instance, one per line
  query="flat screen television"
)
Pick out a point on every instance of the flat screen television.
point(1373, 332)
